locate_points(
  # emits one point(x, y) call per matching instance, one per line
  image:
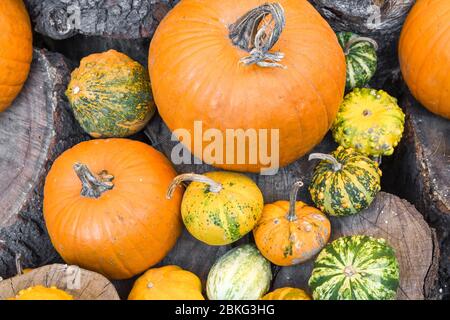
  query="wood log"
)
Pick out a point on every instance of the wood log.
point(89, 26)
point(420, 172)
point(33, 132)
point(380, 20)
point(388, 217)
point(79, 283)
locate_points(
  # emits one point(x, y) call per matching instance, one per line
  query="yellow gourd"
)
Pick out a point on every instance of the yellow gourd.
point(42, 293)
point(287, 294)
point(219, 208)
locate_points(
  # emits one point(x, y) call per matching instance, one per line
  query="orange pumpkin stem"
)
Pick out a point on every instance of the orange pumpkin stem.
point(213, 185)
point(356, 40)
point(93, 186)
point(248, 33)
point(327, 157)
point(292, 216)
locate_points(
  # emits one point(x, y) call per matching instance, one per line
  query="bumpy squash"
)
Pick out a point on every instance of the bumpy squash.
point(424, 54)
point(42, 293)
point(355, 268)
point(361, 57)
point(110, 95)
point(219, 208)
point(241, 274)
point(287, 294)
point(345, 182)
point(369, 121)
point(105, 207)
point(207, 64)
point(290, 233)
point(167, 283)
point(16, 50)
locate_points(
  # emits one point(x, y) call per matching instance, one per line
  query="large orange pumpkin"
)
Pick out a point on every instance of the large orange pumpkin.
point(425, 54)
point(105, 207)
point(16, 50)
point(204, 66)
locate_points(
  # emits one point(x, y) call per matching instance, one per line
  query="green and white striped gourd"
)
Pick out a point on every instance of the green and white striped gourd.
point(361, 57)
point(241, 274)
point(355, 268)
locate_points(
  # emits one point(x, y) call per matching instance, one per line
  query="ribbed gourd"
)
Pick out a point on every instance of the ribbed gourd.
point(110, 95)
point(356, 268)
point(369, 121)
point(241, 274)
point(344, 182)
point(361, 57)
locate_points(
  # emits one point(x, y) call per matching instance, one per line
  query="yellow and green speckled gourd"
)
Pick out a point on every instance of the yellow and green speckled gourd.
point(344, 182)
point(110, 95)
point(219, 208)
point(287, 294)
point(42, 293)
point(369, 121)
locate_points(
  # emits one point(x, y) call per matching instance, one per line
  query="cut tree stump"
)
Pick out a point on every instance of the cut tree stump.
point(33, 132)
point(420, 172)
point(81, 284)
point(380, 20)
point(88, 26)
point(388, 217)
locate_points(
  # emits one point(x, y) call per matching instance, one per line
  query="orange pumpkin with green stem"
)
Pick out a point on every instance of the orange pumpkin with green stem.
point(290, 232)
point(105, 207)
point(16, 50)
point(248, 65)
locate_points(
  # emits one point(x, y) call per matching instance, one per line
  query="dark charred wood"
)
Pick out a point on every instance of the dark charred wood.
point(420, 172)
point(33, 132)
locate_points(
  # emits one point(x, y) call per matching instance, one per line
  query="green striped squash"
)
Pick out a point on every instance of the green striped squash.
point(110, 95)
point(345, 182)
point(355, 268)
point(361, 57)
point(241, 274)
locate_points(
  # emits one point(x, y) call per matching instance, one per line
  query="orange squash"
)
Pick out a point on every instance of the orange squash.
point(290, 233)
point(287, 294)
point(424, 54)
point(42, 293)
point(167, 283)
point(206, 64)
point(105, 207)
point(16, 50)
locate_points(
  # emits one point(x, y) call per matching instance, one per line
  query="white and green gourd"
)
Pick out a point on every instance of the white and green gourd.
point(241, 274)
point(361, 56)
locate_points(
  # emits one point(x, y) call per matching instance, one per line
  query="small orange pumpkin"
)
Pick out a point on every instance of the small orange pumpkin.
point(42, 293)
point(248, 65)
point(287, 294)
point(16, 50)
point(424, 54)
point(105, 207)
point(167, 283)
point(290, 233)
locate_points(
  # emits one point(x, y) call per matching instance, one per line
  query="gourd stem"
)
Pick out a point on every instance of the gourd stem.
point(93, 186)
point(327, 157)
point(356, 40)
point(18, 262)
point(248, 33)
point(213, 185)
point(293, 201)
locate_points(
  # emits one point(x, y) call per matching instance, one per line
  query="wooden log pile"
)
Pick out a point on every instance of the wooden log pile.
point(419, 172)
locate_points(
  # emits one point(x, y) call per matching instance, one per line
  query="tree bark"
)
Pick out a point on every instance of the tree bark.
point(420, 173)
point(381, 20)
point(33, 132)
point(79, 283)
